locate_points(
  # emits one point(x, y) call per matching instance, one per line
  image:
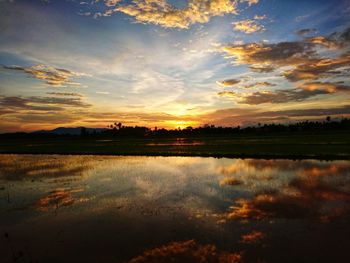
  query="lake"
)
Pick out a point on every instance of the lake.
point(57, 208)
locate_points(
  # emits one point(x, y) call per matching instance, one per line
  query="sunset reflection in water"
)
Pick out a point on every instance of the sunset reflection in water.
point(142, 209)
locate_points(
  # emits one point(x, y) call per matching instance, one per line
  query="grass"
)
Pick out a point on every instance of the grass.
point(325, 145)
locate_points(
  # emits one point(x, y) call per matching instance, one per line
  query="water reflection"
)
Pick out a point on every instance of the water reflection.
point(58, 198)
point(187, 251)
point(315, 190)
point(252, 237)
point(19, 167)
point(177, 142)
point(188, 209)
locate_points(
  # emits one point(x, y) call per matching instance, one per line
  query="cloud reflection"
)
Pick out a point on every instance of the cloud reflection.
point(59, 198)
point(187, 251)
point(285, 189)
point(19, 167)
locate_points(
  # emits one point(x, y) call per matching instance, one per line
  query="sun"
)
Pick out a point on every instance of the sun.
point(182, 124)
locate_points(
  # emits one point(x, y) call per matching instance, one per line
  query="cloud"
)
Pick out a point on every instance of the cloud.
point(345, 35)
point(344, 110)
point(280, 96)
point(54, 77)
point(19, 113)
point(230, 94)
point(64, 94)
point(301, 61)
point(250, 2)
point(111, 2)
point(324, 41)
point(160, 12)
point(254, 115)
point(259, 84)
point(262, 68)
point(326, 86)
point(15, 104)
point(302, 18)
point(262, 17)
point(304, 92)
point(248, 26)
point(306, 31)
point(262, 56)
point(318, 68)
point(228, 82)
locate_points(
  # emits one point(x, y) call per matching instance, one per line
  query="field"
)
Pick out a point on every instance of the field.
point(325, 145)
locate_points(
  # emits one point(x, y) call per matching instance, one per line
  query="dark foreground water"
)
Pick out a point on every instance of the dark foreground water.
point(173, 209)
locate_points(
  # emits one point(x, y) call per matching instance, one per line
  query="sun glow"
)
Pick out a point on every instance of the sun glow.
point(182, 124)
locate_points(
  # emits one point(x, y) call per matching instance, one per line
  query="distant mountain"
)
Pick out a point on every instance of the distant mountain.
point(71, 131)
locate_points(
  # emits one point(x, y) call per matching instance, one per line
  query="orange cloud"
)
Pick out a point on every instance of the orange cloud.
point(324, 41)
point(160, 12)
point(248, 26)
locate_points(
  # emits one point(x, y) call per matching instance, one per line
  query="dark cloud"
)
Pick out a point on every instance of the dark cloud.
point(306, 31)
point(304, 92)
point(281, 96)
point(325, 41)
point(55, 77)
point(303, 57)
point(37, 103)
point(265, 57)
point(249, 116)
point(262, 69)
point(319, 68)
point(65, 94)
point(12, 104)
point(259, 84)
point(310, 112)
point(228, 82)
point(345, 35)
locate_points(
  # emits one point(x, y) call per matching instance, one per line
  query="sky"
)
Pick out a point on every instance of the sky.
point(172, 63)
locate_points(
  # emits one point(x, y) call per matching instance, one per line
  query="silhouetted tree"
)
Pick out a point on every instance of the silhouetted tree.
point(83, 131)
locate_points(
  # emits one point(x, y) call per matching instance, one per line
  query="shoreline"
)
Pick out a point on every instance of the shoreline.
point(322, 157)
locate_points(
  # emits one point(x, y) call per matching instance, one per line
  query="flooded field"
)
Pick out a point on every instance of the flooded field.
point(173, 209)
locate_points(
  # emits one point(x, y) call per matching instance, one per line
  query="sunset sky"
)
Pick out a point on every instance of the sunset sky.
point(170, 63)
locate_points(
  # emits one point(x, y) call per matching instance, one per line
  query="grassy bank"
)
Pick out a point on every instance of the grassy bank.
point(326, 145)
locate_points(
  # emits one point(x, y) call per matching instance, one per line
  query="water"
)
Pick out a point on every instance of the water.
point(115, 209)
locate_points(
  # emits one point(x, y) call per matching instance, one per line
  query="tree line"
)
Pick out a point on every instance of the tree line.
point(117, 129)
